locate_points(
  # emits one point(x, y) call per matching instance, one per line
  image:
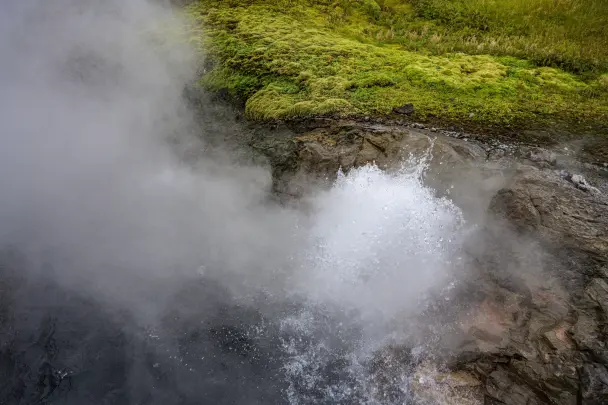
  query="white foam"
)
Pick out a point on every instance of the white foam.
point(380, 244)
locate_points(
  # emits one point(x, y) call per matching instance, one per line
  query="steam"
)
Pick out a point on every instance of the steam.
point(383, 241)
point(89, 105)
point(95, 197)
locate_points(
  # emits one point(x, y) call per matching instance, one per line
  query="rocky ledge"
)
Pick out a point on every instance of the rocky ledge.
point(533, 324)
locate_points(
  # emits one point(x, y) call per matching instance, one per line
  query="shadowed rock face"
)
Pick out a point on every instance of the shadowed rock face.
point(559, 213)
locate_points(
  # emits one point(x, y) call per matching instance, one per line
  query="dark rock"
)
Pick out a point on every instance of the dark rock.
point(540, 157)
point(563, 216)
point(506, 389)
point(406, 109)
point(594, 385)
point(491, 401)
point(597, 290)
point(587, 335)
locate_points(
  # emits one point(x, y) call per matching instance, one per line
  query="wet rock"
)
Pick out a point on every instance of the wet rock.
point(564, 217)
point(571, 223)
point(598, 292)
point(588, 336)
point(541, 156)
point(489, 323)
point(505, 388)
point(406, 109)
point(555, 377)
point(594, 385)
point(558, 339)
point(429, 385)
point(313, 158)
point(579, 181)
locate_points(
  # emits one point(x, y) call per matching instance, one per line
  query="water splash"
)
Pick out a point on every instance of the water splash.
point(383, 246)
point(380, 241)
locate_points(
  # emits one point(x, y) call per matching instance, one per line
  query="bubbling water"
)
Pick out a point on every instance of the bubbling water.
point(381, 241)
point(383, 247)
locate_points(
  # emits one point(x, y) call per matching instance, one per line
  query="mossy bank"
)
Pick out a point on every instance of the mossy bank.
point(494, 64)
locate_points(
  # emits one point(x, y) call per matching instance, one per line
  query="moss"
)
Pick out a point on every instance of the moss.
point(290, 59)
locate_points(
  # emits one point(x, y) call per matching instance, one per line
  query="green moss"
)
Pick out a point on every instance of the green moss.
point(289, 58)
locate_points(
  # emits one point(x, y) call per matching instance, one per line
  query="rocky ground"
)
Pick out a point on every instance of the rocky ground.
point(533, 319)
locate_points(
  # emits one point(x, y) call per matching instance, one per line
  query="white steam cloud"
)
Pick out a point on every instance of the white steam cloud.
point(87, 175)
point(90, 184)
point(94, 196)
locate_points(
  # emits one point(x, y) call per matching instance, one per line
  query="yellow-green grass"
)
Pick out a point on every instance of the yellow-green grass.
point(295, 58)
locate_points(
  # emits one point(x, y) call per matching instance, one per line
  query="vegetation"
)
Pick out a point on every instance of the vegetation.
point(485, 61)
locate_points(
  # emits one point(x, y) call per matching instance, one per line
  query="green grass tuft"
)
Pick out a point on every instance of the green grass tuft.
point(485, 61)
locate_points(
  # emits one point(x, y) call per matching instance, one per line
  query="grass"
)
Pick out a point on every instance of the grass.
point(569, 34)
point(503, 62)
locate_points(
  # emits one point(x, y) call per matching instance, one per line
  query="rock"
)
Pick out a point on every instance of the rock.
point(558, 339)
point(555, 377)
point(539, 155)
point(580, 182)
point(565, 218)
point(316, 155)
point(518, 208)
point(594, 385)
point(490, 322)
point(598, 292)
point(406, 109)
point(587, 336)
point(501, 386)
point(445, 388)
point(535, 312)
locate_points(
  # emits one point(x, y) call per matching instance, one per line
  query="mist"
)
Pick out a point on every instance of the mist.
point(97, 200)
point(88, 109)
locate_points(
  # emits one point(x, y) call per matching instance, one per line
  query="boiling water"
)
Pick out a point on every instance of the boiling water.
point(384, 246)
point(351, 324)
